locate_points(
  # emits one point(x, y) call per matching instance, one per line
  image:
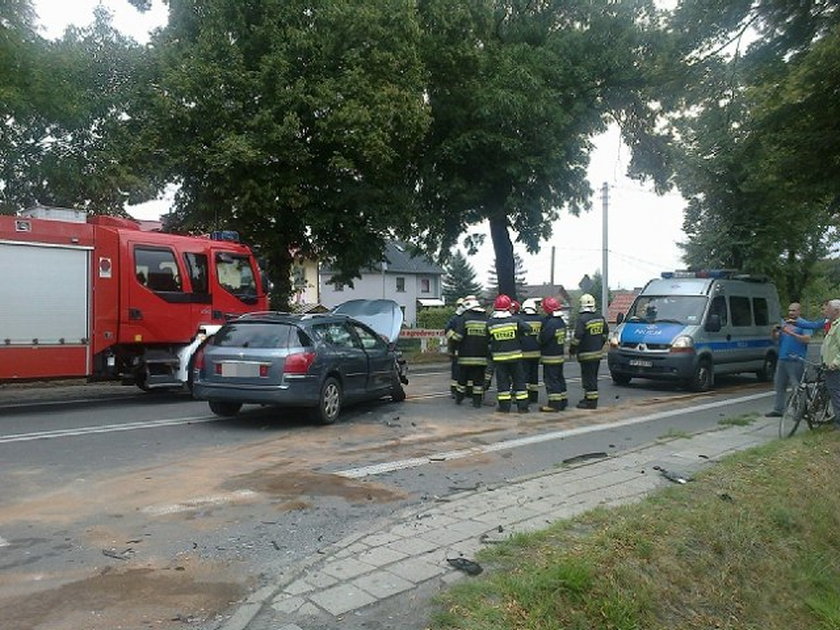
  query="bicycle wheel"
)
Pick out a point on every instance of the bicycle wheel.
point(794, 412)
point(820, 412)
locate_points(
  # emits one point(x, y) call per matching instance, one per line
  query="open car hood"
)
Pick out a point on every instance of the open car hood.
point(384, 316)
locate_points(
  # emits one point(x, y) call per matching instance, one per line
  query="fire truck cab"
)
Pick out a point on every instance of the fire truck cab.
point(103, 298)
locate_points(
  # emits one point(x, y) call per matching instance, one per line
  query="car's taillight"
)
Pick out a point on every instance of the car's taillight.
point(198, 363)
point(264, 370)
point(298, 363)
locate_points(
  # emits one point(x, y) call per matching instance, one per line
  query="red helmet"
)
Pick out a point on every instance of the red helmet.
point(550, 305)
point(502, 303)
point(514, 306)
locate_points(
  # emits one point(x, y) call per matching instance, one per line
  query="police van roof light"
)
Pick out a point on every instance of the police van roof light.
point(699, 273)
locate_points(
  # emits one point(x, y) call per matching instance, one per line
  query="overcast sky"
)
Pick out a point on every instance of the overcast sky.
point(643, 228)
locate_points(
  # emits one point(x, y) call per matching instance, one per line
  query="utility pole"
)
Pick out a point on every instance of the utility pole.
point(605, 285)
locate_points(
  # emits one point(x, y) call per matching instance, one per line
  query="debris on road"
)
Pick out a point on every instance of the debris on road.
point(125, 554)
point(467, 566)
point(672, 475)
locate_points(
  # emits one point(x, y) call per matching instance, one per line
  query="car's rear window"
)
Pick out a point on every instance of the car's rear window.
point(255, 335)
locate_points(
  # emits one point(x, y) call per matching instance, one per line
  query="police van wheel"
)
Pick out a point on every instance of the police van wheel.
point(620, 379)
point(701, 380)
point(767, 370)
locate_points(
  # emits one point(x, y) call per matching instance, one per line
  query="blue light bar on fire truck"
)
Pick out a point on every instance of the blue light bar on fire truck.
point(225, 235)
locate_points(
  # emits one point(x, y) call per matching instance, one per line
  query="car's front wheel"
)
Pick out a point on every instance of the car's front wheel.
point(620, 379)
point(225, 409)
point(329, 402)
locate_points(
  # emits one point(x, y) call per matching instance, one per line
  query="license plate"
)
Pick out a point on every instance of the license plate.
point(241, 369)
point(640, 363)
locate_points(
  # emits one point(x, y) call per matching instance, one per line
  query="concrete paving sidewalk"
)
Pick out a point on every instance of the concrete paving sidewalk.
point(409, 552)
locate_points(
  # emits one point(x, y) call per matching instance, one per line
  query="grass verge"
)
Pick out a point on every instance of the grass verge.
point(752, 543)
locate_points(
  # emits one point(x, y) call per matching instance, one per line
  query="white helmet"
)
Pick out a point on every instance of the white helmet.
point(459, 306)
point(471, 303)
point(587, 303)
point(531, 305)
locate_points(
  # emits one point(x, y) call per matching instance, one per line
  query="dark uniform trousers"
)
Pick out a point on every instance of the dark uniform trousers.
point(555, 385)
point(471, 383)
point(510, 376)
point(589, 379)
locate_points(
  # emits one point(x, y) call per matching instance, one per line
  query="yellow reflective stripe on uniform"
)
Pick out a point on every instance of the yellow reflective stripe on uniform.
point(513, 355)
point(507, 331)
point(454, 336)
point(472, 360)
point(530, 354)
point(590, 356)
point(554, 397)
point(503, 396)
point(552, 360)
point(521, 395)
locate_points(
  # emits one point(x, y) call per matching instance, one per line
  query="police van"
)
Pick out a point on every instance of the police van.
point(690, 326)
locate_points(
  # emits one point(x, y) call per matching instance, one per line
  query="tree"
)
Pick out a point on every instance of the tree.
point(459, 279)
point(519, 292)
point(291, 122)
point(760, 144)
point(516, 90)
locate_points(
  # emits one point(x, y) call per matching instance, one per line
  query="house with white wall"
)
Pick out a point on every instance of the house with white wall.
point(413, 282)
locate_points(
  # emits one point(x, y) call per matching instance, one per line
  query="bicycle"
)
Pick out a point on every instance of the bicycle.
point(810, 401)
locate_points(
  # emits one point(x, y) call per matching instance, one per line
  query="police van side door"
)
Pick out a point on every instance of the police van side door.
point(717, 342)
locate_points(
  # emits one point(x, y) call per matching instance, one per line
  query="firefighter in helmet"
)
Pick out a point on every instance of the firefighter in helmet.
point(451, 344)
point(588, 345)
point(505, 332)
point(471, 337)
point(552, 346)
point(531, 348)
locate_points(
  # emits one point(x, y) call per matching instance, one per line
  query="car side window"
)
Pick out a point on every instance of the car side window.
point(370, 341)
point(336, 335)
point(718, 307)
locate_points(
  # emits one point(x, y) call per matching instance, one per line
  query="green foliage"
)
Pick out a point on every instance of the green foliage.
point(292, 122)
point(760, 137)
point(434, 318)
point(66, 138)
point(516, 90)
point(459, 279)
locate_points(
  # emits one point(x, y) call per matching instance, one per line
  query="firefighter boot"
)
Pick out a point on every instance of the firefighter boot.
point(533, 397)
point(504, 407)
point(522, 407)
point(459, 397)
point(478, 399)
point(587, 404)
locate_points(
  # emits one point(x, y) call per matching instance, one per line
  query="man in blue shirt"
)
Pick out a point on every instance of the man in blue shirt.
point(793, 344)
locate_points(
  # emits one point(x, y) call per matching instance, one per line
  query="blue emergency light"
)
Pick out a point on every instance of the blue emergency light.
point(225, 235)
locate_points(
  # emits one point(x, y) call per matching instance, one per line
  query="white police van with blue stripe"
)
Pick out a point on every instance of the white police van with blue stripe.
point(689, 326)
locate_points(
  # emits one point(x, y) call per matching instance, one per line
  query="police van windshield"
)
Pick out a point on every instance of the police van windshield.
point(236, 276)
point(676, 309)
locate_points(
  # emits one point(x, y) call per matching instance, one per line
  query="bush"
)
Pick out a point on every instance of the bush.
point(434, 318)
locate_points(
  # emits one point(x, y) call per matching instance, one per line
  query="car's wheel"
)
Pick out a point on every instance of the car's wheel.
point(768, 369)
point(703, 377)
point(329, 402)
point(620, 379)
point(397, 389)
point(225, 409)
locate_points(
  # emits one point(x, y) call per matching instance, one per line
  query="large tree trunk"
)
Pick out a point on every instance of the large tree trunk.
point(503, 247)
point(280, 273)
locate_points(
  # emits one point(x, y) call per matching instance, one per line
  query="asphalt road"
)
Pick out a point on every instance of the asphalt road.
point(124, 510)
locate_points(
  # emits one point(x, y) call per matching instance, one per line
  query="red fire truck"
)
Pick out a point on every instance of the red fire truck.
point(103, 298)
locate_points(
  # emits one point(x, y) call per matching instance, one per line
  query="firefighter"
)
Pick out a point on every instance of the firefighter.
point(552, 346)
point(505, 332)
point(531, 349)
point(471, 336)
point(449, 330)
point(588, 344)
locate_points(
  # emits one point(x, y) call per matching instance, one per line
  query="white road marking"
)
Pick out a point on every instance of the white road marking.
point(201, 502)
point(3, 542)
point(105, 428)
point(414, 462)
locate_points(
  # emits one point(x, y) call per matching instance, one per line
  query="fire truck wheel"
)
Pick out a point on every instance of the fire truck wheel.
point(225, 409)
point(329, 404)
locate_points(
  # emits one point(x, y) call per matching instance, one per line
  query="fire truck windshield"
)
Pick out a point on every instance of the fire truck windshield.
point(236, 276)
